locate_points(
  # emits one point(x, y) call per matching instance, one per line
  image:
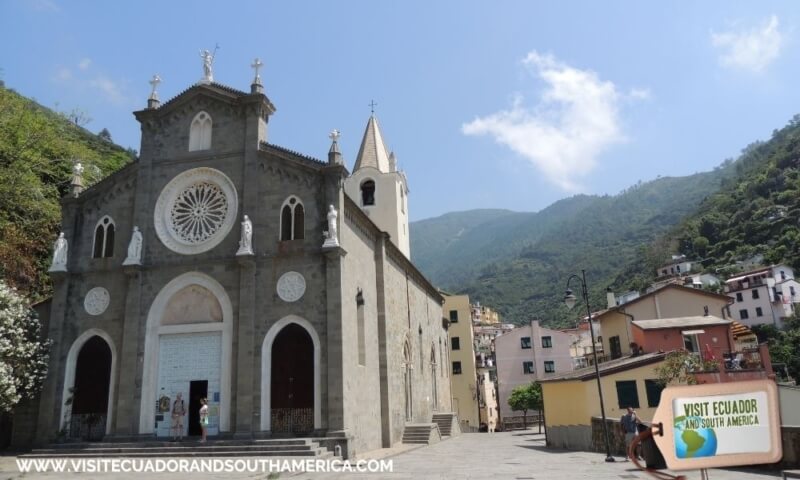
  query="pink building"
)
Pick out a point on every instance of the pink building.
point(701, 335)
point(526, 354)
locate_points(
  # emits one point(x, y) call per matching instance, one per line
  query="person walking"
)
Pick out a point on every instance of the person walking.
point(203, 419)
point(629, 423)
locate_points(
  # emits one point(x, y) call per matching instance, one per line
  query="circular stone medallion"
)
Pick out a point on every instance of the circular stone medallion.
point(291, 286)
point(96, 301)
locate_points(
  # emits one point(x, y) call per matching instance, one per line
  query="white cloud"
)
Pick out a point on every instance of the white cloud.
point(63, 74)
point(109, 89)
point(84, 64)
point(44, 5)
point(752, 49)
point(576, 119)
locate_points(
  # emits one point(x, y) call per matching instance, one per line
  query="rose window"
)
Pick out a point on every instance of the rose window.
point(198, 212)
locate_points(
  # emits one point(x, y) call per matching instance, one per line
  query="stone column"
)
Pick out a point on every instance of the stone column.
point(335, 357)
point(244, 420)
point(50, 401)
point(383, 360)
point(130, 363)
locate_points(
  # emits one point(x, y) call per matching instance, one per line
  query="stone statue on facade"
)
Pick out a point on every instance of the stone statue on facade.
point(246, 242)
point(208, 61)
point(60, 254)
point(332, 235)
point(134, 248)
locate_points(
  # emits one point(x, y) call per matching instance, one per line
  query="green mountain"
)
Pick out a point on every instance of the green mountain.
point(38, 148)
point(519, 263)
point(756, 213)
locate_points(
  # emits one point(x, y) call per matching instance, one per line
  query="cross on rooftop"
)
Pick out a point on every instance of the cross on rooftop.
point(256, 65)
point(372, 106)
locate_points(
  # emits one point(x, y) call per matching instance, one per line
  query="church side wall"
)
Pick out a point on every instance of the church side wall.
point(410, 308)
point(362, 409)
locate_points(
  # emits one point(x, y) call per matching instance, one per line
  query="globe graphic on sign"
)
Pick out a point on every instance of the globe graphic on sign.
point(692, 442)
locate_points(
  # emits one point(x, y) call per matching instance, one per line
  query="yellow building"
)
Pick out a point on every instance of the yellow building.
point(571, 399)
point(463, 381)
point(483, 315)
point(669, 301)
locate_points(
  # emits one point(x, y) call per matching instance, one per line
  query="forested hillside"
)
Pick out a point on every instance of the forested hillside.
point(755, 214)
point(38, 148)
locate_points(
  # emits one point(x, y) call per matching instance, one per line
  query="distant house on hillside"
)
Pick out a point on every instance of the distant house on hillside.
point(669, 301)
point(763, 295)
point(678, 265)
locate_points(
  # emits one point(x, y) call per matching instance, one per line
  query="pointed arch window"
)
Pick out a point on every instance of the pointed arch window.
point(104, 238)
point(292, 219)
point(200, 132)
point(368, 193)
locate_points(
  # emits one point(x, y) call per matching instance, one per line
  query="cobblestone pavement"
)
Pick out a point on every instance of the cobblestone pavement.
point(508, 455)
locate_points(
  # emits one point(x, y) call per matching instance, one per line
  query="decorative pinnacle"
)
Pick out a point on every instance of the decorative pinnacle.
point(154, 82)
point(256, 65)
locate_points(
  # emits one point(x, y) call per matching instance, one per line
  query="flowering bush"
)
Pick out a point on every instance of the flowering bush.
point(23, 355)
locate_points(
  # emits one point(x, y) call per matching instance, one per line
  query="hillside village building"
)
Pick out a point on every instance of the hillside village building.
point(222, 266)
point(526, 354)
point(464, 385)
point(764, 295)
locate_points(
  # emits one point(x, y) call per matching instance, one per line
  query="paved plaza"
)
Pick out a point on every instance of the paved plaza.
point(508, 455)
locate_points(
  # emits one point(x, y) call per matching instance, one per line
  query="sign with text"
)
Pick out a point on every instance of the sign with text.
point(719, 425)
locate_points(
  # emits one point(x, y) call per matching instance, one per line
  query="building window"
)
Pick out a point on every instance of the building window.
point(690, 343)
point(739, 296)
point(525, 342)
point(200, 132)
point(616, 346)
point(549, 366)
point(743, 314)
point(527, 367)
point(104, 238)
point(627, 395)
point(791, 291)
point(368, 193)
point(653, 388)
point(759, 312)
point(456, 368)
point(783, 275)
point(453, 316)
point(292, 219)
point(547, 342)
point(455, 342)
point(755, 294)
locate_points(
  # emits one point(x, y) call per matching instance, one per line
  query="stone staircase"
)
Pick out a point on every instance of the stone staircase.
point(448, 424)
point(290, 447)
point(421, 433)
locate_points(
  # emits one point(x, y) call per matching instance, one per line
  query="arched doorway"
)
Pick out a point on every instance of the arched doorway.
point(407, 381)
point(89, 413)
point(292, 381)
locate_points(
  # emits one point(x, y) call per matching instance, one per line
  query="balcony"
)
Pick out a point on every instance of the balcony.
point(748, 364)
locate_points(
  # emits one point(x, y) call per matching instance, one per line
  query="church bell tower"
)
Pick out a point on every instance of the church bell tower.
point(379, 188)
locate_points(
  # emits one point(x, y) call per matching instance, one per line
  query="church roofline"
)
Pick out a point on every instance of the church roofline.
point(392, 250)
point(292, 155)
point(218, 89)
point(95, 188)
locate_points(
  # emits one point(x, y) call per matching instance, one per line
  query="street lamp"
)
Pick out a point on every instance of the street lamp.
point(569, 300)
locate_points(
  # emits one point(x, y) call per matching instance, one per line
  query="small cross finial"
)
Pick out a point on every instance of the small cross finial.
point(154, 82)
point(334, 135)
point(256, 65)
point(372, 106)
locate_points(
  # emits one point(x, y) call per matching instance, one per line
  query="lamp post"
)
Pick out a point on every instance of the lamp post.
point(569, 300)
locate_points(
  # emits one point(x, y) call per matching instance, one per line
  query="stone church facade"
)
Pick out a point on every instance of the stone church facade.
point(282, 335)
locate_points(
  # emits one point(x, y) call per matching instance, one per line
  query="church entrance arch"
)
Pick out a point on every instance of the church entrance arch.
point(87, 398)
point(290, 377)
point(188, 340)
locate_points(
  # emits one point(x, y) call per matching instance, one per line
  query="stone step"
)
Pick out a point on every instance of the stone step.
point(166, 444)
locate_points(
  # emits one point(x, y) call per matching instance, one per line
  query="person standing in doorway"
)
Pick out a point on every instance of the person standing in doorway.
point(629, 423)
point(178, 412)
point(203, 419)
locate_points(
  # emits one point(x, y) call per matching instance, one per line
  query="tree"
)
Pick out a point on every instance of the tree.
point(105, 135)
point(526, 397)
point(23, 355)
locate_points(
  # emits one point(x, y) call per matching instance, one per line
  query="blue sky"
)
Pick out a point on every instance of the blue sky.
point(508, 104)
